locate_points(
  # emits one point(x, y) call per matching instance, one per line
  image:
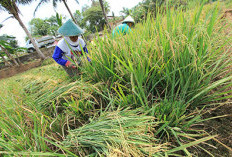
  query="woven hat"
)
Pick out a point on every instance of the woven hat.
point(128, 19)
point(69, 28)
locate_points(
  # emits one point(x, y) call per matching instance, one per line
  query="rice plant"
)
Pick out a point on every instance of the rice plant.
point(170, 65)
point(122, 133)
point(143, 94)
point(174, 57)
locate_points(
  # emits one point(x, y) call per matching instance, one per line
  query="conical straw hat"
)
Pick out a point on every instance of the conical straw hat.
point(128, 19)
point(69, 28)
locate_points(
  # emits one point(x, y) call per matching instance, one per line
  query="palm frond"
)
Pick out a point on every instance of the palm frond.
point(37, 7)
point(10, 6)
point(23, 1)
point(6, 37)
point(2, 8)
point(5, 5)
point(54, 3)
point(77, 1)
point(7, 18)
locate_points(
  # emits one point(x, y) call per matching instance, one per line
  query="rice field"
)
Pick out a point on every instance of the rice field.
point(144, 94)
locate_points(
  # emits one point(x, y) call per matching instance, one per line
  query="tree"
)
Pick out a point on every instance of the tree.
point(93, 18)
point(78, 17)
point(40, 27)
point(11, 7)
point(54, 2)
point(14, 48)
point(125, 11)
point(6, 47)
point(53, 25)
point(153, 6)
point(2, 55)
point(10, 47)
point(59, 19)
point(104, 13)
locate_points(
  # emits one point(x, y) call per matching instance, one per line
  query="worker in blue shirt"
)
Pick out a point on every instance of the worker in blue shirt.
point(123, 28)
point(68, 52)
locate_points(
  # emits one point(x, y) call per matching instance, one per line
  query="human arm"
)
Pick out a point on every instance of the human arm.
point(57, 56)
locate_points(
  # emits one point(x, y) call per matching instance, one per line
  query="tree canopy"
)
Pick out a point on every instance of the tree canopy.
point(43, 27)
point(93, 18)
point(54, 2)
point(9, 46)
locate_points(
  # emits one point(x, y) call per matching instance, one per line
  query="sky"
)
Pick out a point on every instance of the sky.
point(12, 27)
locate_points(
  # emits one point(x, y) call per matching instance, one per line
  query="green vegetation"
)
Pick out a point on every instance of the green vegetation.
point(93, 19)
point(144, 94)
point(39, 27)
point(11, 7)
point(90, 18)
point(141, 10)
point(8, 49)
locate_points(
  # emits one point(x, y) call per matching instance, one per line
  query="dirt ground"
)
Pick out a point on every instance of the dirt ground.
point(29, 61)
point(222, 126)
point(11, 71)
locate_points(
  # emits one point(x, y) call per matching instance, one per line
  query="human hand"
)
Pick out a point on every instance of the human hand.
point(70, 65)
point(74, 66)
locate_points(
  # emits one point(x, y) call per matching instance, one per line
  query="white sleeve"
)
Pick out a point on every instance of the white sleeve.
point(63, 45)
point(82, 42)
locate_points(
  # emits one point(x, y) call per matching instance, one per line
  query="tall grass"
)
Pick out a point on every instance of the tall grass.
point(35, 113)
point(170, 66)
point(20, 126)
point(143, 93)
point(121, 133)
point(173, 57)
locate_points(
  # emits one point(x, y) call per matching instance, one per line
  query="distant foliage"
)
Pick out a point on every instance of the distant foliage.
point(59, 19)
point(78, 17)
point(43, 27)
point(9, 42)
point(93, 18)
point(141, 10)
point(9, 49)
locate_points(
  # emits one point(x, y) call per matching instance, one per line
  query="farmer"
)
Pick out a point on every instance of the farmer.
point(69, 49)
point(124, 28)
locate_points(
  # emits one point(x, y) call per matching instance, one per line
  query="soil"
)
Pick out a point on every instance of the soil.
point(28, 61)
point(11, 71)
point(221, 126)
